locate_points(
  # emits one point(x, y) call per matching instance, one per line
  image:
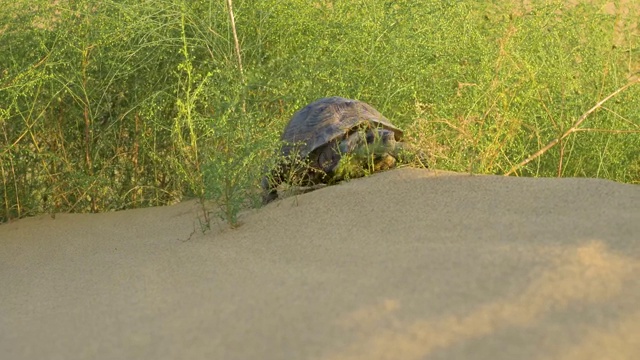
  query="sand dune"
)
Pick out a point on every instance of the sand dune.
point(407, 264)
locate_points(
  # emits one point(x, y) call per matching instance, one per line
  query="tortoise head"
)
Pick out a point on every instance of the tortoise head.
point(365, 151)
point(369, 141)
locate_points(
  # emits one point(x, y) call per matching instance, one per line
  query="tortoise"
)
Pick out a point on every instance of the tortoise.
point(327, 131)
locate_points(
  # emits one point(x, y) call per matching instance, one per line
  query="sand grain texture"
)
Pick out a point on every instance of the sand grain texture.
point(401, 265)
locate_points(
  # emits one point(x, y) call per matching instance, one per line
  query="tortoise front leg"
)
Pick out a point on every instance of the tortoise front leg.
point(269, 190)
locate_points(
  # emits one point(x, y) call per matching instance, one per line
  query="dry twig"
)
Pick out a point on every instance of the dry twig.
point(235, 36)
point(572, 129)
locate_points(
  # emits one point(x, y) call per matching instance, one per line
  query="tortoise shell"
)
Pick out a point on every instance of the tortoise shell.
point(328, 119)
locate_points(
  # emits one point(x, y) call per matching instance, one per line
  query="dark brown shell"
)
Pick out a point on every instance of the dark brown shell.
point(327, 119)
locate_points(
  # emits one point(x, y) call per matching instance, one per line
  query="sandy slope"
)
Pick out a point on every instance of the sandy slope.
point(401, 265)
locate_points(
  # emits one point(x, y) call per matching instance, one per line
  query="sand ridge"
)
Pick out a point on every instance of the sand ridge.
point(406, 264)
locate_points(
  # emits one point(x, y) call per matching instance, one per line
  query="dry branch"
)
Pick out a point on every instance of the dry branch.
point(572, 129)
point(235, 36)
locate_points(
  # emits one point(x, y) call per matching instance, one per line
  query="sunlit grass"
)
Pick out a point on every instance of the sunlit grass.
point(139, 103)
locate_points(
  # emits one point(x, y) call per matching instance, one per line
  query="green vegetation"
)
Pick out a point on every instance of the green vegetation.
point(138, 103)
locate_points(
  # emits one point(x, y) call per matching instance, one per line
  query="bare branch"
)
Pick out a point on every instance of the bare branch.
point(572, 129)
point(235, 36)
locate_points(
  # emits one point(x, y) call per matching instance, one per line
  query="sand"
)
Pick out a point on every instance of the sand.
point(406, 264)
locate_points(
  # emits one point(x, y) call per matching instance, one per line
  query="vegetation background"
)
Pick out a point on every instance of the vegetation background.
point(120, 104)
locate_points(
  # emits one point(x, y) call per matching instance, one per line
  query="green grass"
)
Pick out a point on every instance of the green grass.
point(140, 103)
